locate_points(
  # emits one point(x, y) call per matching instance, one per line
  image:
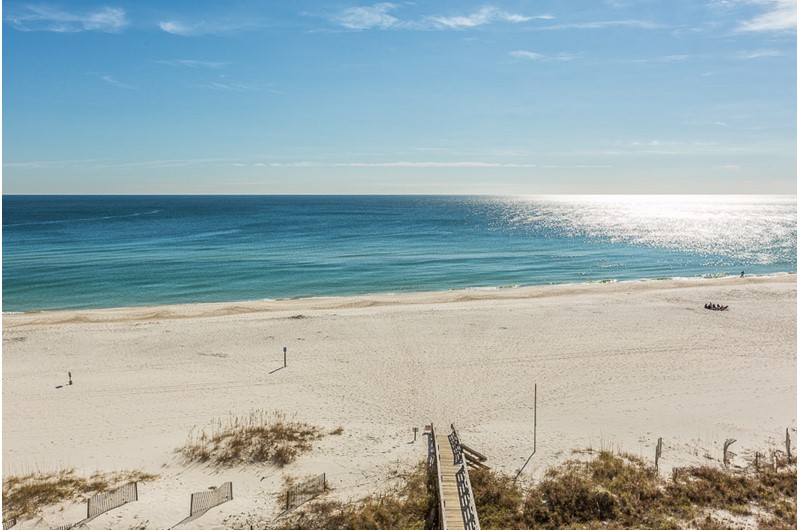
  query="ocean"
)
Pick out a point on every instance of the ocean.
point(70, 252)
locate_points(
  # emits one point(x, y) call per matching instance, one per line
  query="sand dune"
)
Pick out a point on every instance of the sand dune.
point(617, 365)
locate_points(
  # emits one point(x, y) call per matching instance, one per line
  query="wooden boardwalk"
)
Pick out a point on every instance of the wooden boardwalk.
point(456, 505)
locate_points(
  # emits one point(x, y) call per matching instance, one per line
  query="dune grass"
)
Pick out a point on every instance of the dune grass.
point(258, 437)
point(405, 507)
point(611, 491)
point(622, 491)
point(25, 496)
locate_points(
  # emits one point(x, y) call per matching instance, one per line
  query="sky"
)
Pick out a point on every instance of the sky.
point(445, 97)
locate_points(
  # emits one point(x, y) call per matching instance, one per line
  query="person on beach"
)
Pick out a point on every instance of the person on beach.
point(741, 275)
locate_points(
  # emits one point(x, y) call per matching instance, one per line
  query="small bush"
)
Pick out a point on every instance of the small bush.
point(259, 437)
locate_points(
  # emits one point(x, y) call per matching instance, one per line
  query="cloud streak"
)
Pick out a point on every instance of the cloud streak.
point(193, 63)
point(758, 54)
point(426, 164)
point(46, 18)
point(193, 29)
point(367, 17)
point(383, 16)
point(113, 82)
point(481, 17)
point(603, 24)
point(540, 57)
point(781, 15)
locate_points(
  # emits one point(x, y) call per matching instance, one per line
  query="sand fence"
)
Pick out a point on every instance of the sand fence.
point(304, 491)
point(203, 501)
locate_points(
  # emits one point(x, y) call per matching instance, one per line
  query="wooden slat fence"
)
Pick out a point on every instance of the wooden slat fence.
point(205, 500)
point(103, 502)
point(305, 491)
point(9, 523)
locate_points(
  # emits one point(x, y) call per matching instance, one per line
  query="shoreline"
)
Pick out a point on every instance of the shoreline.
point(466, 294)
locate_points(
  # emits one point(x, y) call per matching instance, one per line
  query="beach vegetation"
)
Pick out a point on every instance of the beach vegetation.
point(257, 437)
point(24, 496)
point(409, 504)
point(609, 491)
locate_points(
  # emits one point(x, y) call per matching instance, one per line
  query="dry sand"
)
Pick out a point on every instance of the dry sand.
point(617, 365)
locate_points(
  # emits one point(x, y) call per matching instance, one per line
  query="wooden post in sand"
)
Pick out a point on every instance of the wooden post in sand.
point(658, 452)
point(728, 443)
point(70, 382)
point(788, 446)
point(534, 435)
point(284, 356)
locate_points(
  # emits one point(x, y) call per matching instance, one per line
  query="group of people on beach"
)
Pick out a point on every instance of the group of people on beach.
point(716, 307)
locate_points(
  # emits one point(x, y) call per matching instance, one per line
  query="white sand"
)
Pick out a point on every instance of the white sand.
point(617, 366)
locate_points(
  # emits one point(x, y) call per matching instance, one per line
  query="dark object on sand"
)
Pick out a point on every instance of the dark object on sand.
point(716, 307)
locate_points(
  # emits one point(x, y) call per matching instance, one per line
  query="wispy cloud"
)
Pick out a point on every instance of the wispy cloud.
point(758, 54)
point(98, 163)
point(238, 87)
point(193, 63)
point(427, 164)
point(481, 17)
point(176, 28)
point(661, 59)
point(46, 18)
point(191, 29)
point(367, 17)
point(535, 56)
point(780, 15)
point(384, 16)
point(113, 82)
point(602, 24)
point(226, 84)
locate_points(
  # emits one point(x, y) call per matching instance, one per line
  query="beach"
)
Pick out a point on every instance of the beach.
point(617, 365)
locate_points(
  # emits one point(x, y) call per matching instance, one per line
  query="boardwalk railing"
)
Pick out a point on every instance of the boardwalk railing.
point(102, 502)
point(465, 495)
point(304, 491)
point(439, 486)
point(205, 500)
point(473, 458)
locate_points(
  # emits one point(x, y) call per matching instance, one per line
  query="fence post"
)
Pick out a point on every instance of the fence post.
point(658, 452)
point(728, 443)
point(788, 445)
point(324, 483)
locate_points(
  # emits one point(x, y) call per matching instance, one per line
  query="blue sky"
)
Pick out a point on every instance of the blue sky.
point(615, 96)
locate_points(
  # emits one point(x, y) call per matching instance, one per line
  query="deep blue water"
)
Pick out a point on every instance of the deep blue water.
point(109, 251)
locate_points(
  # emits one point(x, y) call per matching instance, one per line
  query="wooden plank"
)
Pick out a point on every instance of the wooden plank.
point(468, 449)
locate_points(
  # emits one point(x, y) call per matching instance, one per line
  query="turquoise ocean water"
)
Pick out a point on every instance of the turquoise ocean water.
point(63, 252)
